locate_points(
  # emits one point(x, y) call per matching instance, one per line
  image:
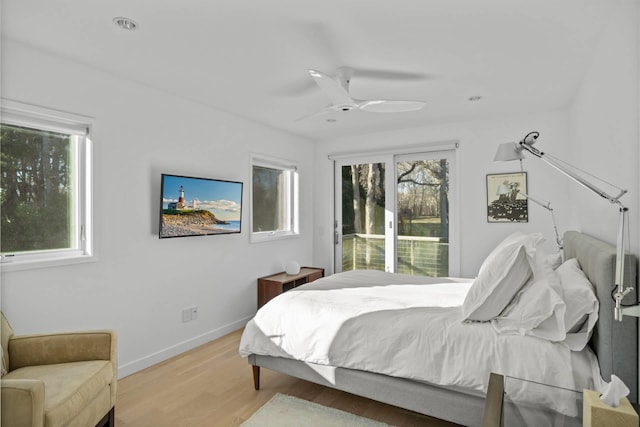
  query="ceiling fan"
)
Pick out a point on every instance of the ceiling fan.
point(337, 89)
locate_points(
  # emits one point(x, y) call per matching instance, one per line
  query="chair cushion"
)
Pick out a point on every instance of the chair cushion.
point(6, 333)
point(3, 369)
point(69, 387)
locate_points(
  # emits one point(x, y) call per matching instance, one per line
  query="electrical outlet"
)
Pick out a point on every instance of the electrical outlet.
point(186, 315)
point(194, 312)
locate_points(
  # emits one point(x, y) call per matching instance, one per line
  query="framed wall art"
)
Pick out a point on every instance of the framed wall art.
point(505, 201)
point(194, 206)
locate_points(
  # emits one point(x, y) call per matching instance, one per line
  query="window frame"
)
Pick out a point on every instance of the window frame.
point(293, 195)
point(17, 113)
point(390, 156)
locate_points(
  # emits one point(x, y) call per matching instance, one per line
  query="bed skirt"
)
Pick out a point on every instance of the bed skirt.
point(454, 404)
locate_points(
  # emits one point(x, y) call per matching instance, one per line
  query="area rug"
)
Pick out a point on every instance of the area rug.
point(288, 411)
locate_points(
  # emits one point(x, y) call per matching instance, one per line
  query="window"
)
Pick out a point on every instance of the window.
point(274, 196)
point(45, 185)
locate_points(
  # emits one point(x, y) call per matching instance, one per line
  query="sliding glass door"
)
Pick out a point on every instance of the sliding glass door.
point(360, 233)
point(393, 213)
point(422, 212)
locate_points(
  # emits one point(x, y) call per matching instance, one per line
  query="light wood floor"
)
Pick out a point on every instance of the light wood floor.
point(213, 386)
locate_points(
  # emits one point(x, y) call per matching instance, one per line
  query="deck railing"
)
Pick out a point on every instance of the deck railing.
point(426, 256)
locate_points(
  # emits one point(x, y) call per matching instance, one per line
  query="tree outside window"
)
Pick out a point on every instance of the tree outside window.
point(45, 190)
point(36, 189)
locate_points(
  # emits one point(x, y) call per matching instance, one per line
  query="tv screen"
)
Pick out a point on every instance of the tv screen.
point(199, 206)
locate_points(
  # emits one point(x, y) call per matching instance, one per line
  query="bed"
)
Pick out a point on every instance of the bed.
point(458, 397)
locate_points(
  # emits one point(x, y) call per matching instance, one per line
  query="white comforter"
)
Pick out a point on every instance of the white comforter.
point(398, 325)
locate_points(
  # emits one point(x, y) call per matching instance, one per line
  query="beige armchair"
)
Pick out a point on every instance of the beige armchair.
point(65, 379)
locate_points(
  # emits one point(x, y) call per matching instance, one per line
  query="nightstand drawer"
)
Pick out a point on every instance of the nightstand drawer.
point(316, 275)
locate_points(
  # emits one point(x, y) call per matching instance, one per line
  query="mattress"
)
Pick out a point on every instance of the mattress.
point(409, 327)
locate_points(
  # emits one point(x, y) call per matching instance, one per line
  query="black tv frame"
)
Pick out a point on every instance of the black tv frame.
point(189, 219)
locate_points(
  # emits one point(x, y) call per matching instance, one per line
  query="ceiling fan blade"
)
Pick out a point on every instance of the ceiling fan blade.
point(305, 87)
point(332, 87)
point(384, 106)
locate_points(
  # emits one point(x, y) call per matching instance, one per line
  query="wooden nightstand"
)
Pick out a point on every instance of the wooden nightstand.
point(275, 284)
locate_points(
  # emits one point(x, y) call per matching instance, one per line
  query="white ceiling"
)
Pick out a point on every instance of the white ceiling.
point(250, 57)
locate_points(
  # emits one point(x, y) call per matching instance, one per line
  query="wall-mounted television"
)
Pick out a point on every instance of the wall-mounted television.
point(192, 206)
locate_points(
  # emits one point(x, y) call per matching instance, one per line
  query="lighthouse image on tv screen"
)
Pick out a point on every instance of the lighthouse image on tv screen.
point(199, 206)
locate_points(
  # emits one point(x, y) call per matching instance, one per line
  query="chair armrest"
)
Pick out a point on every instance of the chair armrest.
point(47, 349)
point(22, 402)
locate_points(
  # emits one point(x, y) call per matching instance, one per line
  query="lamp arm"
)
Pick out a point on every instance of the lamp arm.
point(559, 241)
point(568, 172)
point(620, 291)
point(548, 207)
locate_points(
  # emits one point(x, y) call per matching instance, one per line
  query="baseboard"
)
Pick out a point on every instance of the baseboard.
point(169, 352)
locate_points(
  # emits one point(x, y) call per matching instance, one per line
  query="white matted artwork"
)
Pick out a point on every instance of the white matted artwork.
point(505, 203)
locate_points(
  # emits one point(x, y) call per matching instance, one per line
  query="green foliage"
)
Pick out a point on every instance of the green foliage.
point(199, 212)
point(421, 227)
point(349, 198)
point(348, 215)
point(266, 197)
point(35, 189)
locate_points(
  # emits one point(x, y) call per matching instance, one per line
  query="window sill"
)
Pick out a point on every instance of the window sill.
point(270, 236)
point(17, 264)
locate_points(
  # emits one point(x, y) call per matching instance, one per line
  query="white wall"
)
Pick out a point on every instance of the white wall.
point(478, 143)
point(140, 283)
point(604, 121)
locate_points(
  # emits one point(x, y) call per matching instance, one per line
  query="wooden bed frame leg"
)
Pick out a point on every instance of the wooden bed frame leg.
point(256, 377)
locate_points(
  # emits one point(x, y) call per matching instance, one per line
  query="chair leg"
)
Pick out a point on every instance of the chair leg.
point(112, 417)
point(109, 420)
point(256, 377)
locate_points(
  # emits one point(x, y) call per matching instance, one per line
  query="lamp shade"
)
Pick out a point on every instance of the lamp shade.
point(507, 152)
point(292, 267)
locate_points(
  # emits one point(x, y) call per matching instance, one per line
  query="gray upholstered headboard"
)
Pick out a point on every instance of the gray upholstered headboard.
point(615, 343)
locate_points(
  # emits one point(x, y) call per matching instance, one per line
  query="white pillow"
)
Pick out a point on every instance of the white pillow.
point(555, 260)
point(501, 276)
point(538, 309)
point(582, 304)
